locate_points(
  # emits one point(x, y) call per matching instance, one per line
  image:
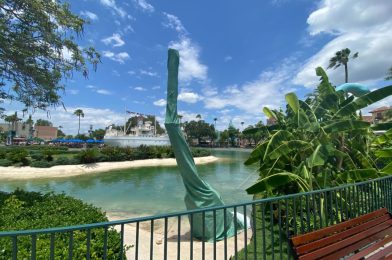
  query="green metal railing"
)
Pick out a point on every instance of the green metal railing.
point(167, 236)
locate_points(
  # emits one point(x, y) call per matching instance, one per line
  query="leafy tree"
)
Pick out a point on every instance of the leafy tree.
point(342, 58)
point(38, 50)
point(98, 134)
point(60, 133)
point(389, 74)
point(199, 130)
point(79, 113)
point(198, 117)
point(43, 122)
point(12, 120)
point(230, 135)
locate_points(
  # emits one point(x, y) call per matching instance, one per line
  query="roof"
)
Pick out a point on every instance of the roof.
point(381, 109)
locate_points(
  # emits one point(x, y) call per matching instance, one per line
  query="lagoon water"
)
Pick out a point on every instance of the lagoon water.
point(150, 190)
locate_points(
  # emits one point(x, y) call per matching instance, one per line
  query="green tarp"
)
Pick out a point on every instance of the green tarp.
point(199, 194)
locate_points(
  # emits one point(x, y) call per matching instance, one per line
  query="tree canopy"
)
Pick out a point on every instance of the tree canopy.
point(43, 122)
point(38, 49)
point(199, 130)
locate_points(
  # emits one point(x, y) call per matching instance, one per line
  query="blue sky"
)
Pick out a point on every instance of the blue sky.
point(236, 57)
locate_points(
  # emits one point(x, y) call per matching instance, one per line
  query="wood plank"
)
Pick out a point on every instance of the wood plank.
point(352, 248)
point(344, 243)
point(370, 249)
point(340, 236)
point(381, 254)
point(321, 233)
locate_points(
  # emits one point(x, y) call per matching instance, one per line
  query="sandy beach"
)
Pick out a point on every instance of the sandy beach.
point(61, 171)
point(173, 237)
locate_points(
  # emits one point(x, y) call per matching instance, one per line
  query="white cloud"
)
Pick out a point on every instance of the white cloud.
point(145, 6)
point(190, 66)
point(99, 118)
point(120, 57)
point(103, 91)
point(114, 40)
point(131, 72)
point(160, 103)
point(112, 5)
point(148, 73)
point(156, 87)
point(268, 90)
point(361, 26)
point(173, 22)
point(73, 91)
point(189, 97)
point(99, 90)
point(90, 15)
point(228, 58)
point(139, 89)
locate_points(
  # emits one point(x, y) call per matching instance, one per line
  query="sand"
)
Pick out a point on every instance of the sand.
point(61, 171)
point(158, 240)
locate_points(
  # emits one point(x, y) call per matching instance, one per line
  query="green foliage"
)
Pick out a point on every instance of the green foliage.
point(88, 156)
point(98, 134)
point(318, 143)
point(21, 210)
point(5, 162)
point(43, 122)
point(199, 130)
point(34, 35)
point(18, 156)
point(41, 164)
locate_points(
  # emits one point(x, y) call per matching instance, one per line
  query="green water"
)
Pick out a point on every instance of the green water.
point(149, 190)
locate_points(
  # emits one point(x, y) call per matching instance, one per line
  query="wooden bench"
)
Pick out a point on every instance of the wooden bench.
point(365, 237)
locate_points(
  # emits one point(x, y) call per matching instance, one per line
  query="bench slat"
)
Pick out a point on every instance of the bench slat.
point(352, 248)
point(339, 236)
point(321, 233)
point(370, 249)
point(344, 243)
point(386, 253)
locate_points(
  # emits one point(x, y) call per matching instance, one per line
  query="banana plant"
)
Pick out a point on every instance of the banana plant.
point(319, 142)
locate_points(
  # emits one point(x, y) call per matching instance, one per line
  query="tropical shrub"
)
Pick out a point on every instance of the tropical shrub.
point(5, 162)
point(18, 156)
point(88, 156)
point(317, 143)
point(41, 164)
point(22, 210)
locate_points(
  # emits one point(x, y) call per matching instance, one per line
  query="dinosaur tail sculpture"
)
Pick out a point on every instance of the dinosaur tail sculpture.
point(199, 194)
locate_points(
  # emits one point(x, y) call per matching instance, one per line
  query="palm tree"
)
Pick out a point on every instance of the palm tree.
point(30, 123)
point(341, 58)
point(389, 74)
point(215, 119)
point(198, 117)
point(79, 113)
point(242, 125)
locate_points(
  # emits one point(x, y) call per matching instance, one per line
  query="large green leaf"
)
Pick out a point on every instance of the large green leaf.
point(257, 153)
point(275, 140)
point(344, 125)
point(277, 180)
point(359, 175)
point(316, 158)
point(387, 169)
point(287, 146)
point(292, 100)
point(384, 153)
point(365, 100)
point(269, 113)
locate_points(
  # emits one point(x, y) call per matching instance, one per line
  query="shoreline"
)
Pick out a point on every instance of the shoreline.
point(64, 171)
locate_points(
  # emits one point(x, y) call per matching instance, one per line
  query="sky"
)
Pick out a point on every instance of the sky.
point(236, 57)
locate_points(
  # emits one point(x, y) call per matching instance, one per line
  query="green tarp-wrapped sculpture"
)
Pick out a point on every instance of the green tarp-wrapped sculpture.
point(198, 193)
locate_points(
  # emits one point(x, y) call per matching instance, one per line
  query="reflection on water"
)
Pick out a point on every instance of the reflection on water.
point(149, 190)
